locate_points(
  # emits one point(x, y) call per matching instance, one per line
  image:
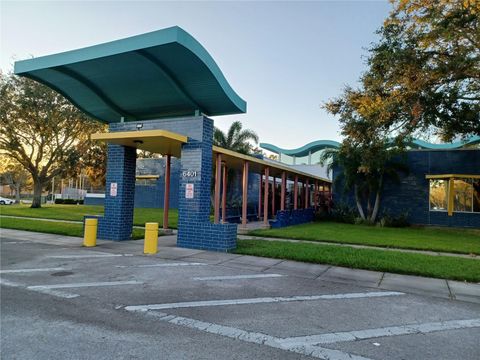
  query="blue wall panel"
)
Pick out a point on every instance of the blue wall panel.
point(411, 194)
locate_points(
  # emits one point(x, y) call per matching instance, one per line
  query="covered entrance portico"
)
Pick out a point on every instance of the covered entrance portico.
point(156, 92)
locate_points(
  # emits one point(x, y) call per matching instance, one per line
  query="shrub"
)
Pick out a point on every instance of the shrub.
point(344, 213)
point(360, 221)
point(388, 220)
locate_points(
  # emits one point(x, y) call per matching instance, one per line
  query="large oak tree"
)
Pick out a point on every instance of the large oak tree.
point(41, 130)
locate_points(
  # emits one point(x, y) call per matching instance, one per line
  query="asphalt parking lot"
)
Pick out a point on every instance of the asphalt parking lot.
point(62, 301)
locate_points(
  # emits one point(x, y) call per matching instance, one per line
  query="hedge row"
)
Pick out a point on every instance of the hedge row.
point(68, 201)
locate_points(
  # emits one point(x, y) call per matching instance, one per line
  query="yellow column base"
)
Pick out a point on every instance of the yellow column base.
point(90, 236)
point(151, 238)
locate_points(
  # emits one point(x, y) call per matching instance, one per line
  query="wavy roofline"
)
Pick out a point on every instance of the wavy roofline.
point(324, 144)
point(174, 34)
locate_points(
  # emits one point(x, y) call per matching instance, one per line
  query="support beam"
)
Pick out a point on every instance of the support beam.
point(245, 193)
point(273, 196)
point(295, 193)
point(265, 196)
point(307, 194)
point(315, 195)
point(166, 194)
point(451, 196)
point(218, 174)
point(282, 191)
point(260, 197)
point(224, 193)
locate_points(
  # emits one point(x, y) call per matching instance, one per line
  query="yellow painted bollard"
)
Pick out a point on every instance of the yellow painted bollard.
point(151, 238)
point(90, 236)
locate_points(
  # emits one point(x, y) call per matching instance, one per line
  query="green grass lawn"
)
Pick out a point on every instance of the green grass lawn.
point(443, 267)
point(52, 227)
point(76, 212)
point(465, 241)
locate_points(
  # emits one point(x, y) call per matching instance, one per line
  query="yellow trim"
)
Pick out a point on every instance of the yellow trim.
point(449, 176)
point(147, 176)
point(139, 135)
point(450, 196)
point(157, 141)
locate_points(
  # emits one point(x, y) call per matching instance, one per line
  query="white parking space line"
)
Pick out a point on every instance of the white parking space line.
point(86, 256)
point(80, 285)
point(10, 283)
point(237, 277)
point(43, 291)
point(161, 265)
point(13, 271)
point(56, 293)
point(423, 328)
point(254, 337)
point(263, 300)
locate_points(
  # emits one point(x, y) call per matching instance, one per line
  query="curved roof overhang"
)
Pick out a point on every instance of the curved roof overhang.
point(445, 146)
point(165, 73)
point(304, 150)
point(324, 144)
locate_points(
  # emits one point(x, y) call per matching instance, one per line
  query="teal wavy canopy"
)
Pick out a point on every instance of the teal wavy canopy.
point(315, 146)
point(165, 73)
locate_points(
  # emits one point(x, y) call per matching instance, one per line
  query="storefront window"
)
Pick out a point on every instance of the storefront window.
point(466, 194)
point(438, 195)
point(462, 195)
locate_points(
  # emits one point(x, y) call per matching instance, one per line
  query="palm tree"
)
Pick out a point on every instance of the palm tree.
point(235, 139)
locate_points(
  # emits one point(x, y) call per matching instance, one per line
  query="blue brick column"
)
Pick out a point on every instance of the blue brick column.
point(194, 227)
point(117, 222)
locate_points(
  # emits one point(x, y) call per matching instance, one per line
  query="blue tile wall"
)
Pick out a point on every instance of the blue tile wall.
point(117, 222)
point(410, 195)
point(194, 227)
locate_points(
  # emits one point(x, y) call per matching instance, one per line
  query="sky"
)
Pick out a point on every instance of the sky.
point(284, 58)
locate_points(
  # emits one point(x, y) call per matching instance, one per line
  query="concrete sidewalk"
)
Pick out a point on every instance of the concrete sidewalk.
point(448, 289)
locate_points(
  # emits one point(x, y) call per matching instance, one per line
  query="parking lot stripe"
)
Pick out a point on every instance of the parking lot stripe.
point(80, 285)
point(423, 328)
point(161, 265)
point(44, 291)
point(56, 293)
point(86, 256)
point(10, 283)
point(263, 300)
point(254, 337)
point(237, 277)
point(12, 271)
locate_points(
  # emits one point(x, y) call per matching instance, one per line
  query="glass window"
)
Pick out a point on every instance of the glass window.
point(438, 194)
point(462, 195)
point(476, 195)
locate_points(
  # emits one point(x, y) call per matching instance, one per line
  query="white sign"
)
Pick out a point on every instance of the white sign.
point(189, 191)
point(113, 189)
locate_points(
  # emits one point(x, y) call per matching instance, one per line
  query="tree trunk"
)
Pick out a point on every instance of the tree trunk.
point(17, 193)
point(359, 203)
point(37, 193)
point(377, 199)
point(369, 206)
point(376, 206)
